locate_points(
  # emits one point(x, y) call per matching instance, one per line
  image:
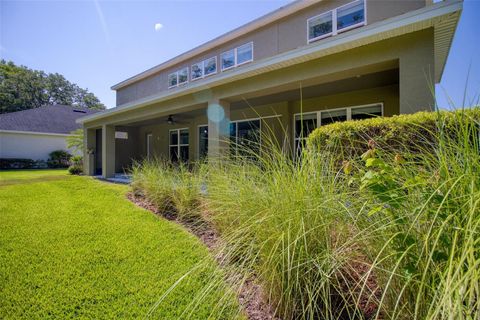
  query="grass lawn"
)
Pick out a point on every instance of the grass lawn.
point(75, 247)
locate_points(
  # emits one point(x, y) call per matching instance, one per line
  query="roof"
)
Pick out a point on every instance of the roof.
point(246, 28)
point(59, 119)
point(443, 17)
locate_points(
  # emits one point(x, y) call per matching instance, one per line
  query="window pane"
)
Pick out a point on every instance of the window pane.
point(183, 75)
point(248, 137)
point(183, 153)
point(228, 59)
point(184, 136)
point(245, 53)
point(333, 116)
point(174, 154)
point(197, 71)
point(172, 79)
point(173, 137)
point(320, 25)
point(367, 112)
point(203, 141)
point(350, 15)
point(299, 146)
point(305, 124)
point(210, 66)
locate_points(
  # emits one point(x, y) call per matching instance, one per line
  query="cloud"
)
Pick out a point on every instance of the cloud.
point(158, 26)
point(101, 17)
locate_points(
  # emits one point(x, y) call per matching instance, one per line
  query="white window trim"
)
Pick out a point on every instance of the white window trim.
point(216, 67)
point(244, 62)
point(178, 145)
point(177, 74)
point(319, 116)
point(191, 71)
point(335, 30)
point(176, 85)
point(234, 59)
point(236, 64)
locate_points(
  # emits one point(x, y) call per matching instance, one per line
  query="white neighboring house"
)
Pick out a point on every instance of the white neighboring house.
point(34, 133)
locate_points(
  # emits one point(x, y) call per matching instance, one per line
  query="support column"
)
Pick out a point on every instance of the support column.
point(417, 72)
point(218, 113)
point(108, 151)
point(89, 143)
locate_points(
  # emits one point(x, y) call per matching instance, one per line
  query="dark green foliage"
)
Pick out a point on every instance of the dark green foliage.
point(406, 133)
point(59, 159)
point(22, 88)
point(6, 164)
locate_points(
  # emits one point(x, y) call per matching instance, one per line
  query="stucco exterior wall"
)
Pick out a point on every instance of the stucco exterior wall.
point(30, 146)
point(280, 126)
point(278, 37)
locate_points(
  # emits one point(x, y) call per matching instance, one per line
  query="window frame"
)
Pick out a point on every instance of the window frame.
point(235, 58)
point(335, 29)
point(149, 137)
point(168, 80)
point(191, 71)
point(216, 67)
point(178, 77)
point(319, 116)
point(178, 145)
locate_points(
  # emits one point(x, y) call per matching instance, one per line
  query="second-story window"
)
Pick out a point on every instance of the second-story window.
point(340, 19)
point(183, 76)
point(197, 70)
point(245, 53)
point(210, 66)
point(350, 15)
point(172, 80)
point(177, 78)
point(228, 59)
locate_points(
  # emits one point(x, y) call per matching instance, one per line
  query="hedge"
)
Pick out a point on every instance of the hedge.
point(16, 163)
point(412, 133)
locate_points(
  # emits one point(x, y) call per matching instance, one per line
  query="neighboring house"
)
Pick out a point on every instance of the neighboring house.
point(304, 65)
point(34, 133)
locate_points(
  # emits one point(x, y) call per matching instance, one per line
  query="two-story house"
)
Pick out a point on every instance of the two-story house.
point(304, 65)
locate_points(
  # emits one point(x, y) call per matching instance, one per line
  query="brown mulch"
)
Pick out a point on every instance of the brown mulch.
point(250, 294)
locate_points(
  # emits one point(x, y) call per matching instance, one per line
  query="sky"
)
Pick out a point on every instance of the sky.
point(97, 44)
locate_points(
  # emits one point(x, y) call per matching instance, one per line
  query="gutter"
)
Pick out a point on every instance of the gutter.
point(308, 52)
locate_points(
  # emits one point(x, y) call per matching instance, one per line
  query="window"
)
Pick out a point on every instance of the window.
point(236, 57)
point(245, 138)
point(341, 19)
point(197, 71)
point(320, 26)
point(202, 141)
point(305, 123)
point(178, 146)
point(244, 53)
point(367, 112)
point(350, 15)
point(210, 66)
point(177, 78)
point(183, 76)
point(228, 59)
point(172, 80)
point(336, 115)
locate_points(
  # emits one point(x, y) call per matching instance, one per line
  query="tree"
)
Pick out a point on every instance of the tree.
point(75, 141)
point(22, 88)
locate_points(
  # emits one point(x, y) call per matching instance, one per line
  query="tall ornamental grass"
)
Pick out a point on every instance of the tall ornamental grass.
point(385, 233)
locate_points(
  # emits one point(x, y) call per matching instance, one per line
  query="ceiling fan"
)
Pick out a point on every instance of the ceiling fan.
point(170, 120)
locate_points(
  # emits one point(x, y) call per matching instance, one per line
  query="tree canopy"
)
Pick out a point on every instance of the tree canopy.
point(22, 88)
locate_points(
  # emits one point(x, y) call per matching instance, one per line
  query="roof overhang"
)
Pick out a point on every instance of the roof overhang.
point(36, 133)
point(443, 17)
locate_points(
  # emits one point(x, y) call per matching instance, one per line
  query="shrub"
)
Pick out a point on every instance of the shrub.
point(59, 159)
point(76, 165)
point(10, 163)
point(408, 133)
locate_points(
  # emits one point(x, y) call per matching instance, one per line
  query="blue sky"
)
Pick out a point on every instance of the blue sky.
point(99, 43)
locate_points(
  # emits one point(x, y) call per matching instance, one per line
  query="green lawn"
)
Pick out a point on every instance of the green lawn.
point(75, 247)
